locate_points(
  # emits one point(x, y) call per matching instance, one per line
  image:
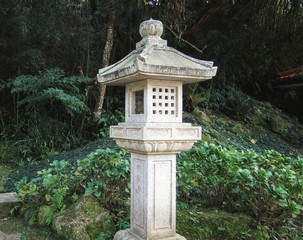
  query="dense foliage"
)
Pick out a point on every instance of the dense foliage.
point(46, 103)
point(267, 186)
point(61, 184)
point(250, 41)
point(52, 50)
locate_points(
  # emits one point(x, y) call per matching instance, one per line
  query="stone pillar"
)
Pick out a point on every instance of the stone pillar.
point(153, 196)
point(153, 149)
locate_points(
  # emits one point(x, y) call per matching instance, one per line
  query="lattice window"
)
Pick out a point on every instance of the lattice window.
point(139, 102)
point(164, 100)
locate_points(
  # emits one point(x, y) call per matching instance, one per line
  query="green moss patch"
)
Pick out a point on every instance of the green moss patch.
point(259, 131)
point(17, 225)
point(212, 224)
point(85, 219)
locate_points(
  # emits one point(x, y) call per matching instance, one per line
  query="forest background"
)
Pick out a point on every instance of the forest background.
point(51, 106)
point(51, 52)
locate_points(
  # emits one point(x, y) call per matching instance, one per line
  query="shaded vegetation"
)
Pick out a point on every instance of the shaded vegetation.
point(208, 175)
point(17, 225)
point(213, 224)
point(72, 156)
point(50, 54)
point(4, 172)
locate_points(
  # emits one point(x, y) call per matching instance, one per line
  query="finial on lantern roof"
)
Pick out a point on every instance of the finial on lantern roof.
point(151, 27)
point(151, 31)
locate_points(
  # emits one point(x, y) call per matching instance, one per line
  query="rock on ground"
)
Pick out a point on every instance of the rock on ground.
point(84, 220)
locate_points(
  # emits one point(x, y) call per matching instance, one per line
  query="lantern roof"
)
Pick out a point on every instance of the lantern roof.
point(153, 59)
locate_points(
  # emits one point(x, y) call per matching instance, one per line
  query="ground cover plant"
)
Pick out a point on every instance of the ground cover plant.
point(266, 186)
point(18, 225)
point(4, 172)
point(61, 184)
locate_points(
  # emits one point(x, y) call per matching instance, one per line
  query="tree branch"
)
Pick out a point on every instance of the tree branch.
point(205, 16)
point(183, 40)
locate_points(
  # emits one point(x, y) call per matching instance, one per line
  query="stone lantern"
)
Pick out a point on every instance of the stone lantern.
point(153, 131)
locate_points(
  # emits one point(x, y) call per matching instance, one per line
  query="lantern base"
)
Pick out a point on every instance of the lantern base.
point(128, 235)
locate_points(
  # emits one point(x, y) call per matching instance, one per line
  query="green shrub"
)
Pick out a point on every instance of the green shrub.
point(6, 154)
point(231, 100)
point(50, 113)
point(237, 103)
point(61, 184)
point(267, 186)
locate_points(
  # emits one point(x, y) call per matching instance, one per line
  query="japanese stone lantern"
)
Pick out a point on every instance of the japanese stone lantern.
point(153, 131)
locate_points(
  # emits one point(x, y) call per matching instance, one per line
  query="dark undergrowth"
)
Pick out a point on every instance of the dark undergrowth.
point(30, 171)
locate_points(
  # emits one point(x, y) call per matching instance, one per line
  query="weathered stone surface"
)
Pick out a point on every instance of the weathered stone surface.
point(128, 235)
point(153, 59)
point(8, 197)
point(4, 236)
point(43, 214)
point(85, 219)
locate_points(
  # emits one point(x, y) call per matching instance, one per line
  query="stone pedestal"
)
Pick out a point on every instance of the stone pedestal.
point(153, 198)
point(128, 235)
point(153, 175)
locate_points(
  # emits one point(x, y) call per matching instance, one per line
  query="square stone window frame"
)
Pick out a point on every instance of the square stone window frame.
point(130, 99)
point(147, 85)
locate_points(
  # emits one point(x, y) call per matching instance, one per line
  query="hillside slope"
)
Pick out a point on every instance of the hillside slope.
point(265, 128)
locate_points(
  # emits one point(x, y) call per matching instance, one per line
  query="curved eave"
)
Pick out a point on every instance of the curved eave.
point(143, 71)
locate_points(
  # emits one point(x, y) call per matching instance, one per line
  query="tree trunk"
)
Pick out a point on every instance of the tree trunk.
point(105, 62)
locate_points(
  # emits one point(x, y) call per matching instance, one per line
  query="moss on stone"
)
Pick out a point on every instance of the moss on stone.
point(213, 224)
point(43, 214)
point(85, 219)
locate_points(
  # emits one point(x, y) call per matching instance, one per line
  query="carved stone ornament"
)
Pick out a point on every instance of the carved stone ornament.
point(151, 28)
point(149, 147)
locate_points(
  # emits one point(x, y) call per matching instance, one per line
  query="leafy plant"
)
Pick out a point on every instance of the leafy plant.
point(109, 118)
point(6, 154)
point(106, 235)
point(238, 103)
point(47, 103)
point(267, 186)
point(60, 184)
point(192, 97)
